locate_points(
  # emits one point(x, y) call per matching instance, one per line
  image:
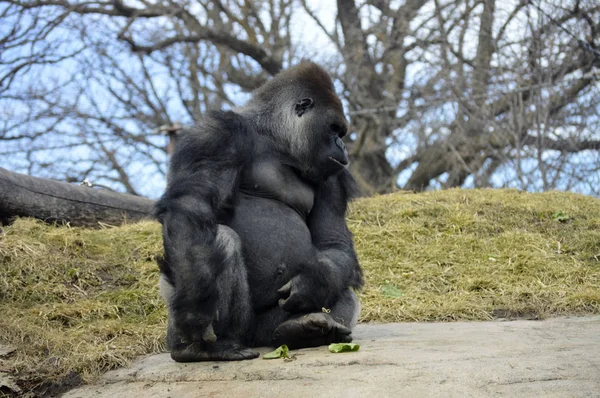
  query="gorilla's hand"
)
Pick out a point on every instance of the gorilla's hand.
point(191, 339)
point(192, 325)
point(206, 348)
point(303, 294)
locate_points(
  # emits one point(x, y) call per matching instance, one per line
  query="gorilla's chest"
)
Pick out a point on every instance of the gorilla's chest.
point(270, 180)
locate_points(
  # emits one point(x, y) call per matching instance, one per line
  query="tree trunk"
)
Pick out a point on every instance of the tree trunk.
point(54, 201)
point(373, 173)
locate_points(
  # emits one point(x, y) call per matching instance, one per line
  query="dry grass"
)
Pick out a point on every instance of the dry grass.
point(478, 255)
point(77, 302)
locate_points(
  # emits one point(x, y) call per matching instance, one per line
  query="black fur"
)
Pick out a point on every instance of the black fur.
point(280, 184)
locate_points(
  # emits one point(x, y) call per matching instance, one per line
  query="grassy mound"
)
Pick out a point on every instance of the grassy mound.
point(478, 255)
point(77, 302)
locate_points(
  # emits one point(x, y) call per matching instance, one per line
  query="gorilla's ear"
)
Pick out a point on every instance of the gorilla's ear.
point(303, 105)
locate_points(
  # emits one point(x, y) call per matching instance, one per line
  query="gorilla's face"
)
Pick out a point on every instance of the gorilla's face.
point(321, 126)
point(299, 109)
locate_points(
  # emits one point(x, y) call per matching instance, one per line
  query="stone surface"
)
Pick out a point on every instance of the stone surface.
point(552, 358)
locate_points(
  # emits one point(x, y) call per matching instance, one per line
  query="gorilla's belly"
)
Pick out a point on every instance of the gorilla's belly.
point(276, 243)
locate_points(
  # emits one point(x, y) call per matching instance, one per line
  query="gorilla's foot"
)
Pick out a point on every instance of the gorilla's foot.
point(311, 330)
point(222, 350)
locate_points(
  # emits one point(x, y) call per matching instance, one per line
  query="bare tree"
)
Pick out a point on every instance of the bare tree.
point(516, 93)
point(440, 93)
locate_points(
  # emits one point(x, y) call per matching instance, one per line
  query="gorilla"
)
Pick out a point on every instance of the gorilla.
point(256, 247)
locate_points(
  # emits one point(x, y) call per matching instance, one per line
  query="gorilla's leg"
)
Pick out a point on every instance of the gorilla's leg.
point(221, 340)
point(320, 328)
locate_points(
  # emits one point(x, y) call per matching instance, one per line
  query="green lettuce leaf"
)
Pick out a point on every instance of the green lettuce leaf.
point(280, 352)
point(343, 347)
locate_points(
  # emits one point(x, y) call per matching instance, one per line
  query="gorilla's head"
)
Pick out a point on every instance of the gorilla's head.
point(299, 109)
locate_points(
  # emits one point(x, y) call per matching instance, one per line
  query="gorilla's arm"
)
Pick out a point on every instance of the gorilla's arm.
point(203, 177)
point(336, 265)
point(330, 232)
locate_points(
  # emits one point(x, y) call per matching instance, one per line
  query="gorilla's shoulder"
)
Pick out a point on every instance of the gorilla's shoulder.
point(217, 133)
point(216, 125)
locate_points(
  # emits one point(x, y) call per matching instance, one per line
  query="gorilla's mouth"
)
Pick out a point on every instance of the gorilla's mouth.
point(341, 163)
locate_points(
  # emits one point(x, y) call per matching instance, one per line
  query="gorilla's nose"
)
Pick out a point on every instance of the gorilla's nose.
point(340, 143)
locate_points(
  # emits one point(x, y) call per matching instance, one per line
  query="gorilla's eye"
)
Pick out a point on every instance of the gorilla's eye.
point(339, 129)
point(303, 105)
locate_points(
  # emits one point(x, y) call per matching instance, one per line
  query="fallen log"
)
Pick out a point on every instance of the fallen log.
point(55, 201)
